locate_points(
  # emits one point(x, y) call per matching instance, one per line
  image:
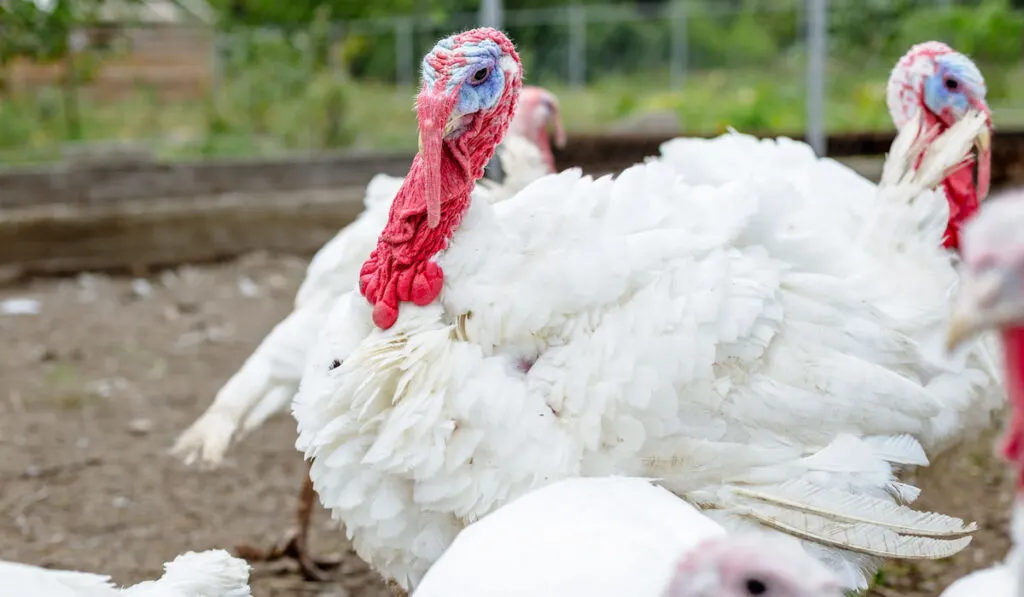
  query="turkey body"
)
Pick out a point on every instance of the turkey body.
point(728, 339)
point(578, 537)
point(895, 224)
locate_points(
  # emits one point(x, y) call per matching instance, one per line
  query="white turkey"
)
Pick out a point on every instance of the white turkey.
point(615, 536)
point(725, 339)
point(211, 573)
point(992, 297)
point(268, 380)
point(931, 88)
point(538, 111)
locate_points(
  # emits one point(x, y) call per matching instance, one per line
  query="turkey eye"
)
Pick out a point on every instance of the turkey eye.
point(952, 84)
point(756, 587)
point(480, 76)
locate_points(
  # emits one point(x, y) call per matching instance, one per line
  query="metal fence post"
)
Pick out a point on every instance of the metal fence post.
point(491, 13)
point(817, 54)
point(216, 63)
point(679, 51)
point(577, 16)
point(334, 40)
point(403, 53)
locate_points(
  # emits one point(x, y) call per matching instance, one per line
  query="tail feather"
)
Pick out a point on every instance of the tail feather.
point(858, 509)
point(842, 499)
point(859, 538)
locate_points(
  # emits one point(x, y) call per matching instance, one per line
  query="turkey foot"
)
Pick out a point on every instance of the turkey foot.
point(295, 544)
point(396, 589)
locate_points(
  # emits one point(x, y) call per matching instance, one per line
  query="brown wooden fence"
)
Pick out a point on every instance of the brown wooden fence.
point(173, 61)
point(63, 219)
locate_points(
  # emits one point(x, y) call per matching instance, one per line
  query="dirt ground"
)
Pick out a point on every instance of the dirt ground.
point(95, 387)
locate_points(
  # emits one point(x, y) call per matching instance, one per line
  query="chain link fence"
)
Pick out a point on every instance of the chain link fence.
point(682, 66)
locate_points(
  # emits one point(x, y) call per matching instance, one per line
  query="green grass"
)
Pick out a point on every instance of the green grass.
point(255, 117)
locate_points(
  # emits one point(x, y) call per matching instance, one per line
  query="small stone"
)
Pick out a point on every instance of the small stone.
point(248, 287)
point(19, 306)
point(140, 426)
point(141, 287)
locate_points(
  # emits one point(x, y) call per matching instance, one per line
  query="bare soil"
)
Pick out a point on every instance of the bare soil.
point(95, 387)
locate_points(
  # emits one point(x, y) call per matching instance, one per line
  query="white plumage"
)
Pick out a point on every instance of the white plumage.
point(268, 380)
point(587, 537)
point(896, 223)
point(996, 581)
point(212, 573)
point(728, 338)
point(1003, 579)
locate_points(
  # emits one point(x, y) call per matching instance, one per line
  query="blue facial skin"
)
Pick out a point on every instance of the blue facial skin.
point(480, 81)
point(955, 86)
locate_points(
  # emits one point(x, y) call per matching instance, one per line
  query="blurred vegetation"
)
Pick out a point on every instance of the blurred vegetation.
point(26, 30)
point(309, 75)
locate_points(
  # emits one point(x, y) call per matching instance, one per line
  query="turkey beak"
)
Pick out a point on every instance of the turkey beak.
point(434, 109)
point(556, 117)
point(978, 294)
point(960, 328)
point(983, 142)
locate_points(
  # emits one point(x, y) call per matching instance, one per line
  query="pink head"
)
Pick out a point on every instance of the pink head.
point(992, 296)
point(471, 83)
point(751, 565)
point(943, 86)
point(538, 110)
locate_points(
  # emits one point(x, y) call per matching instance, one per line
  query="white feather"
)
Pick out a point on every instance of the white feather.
point(268, 380)
point(212, 573)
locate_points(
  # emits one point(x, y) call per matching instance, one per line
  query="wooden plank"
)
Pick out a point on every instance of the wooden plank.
point(593, 153)
point(139, 236)
point(66, 185)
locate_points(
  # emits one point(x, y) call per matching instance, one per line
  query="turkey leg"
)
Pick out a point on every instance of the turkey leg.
point(295, 543)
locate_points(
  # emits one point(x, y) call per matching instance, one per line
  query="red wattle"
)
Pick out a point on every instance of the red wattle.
point(963, 203)
point(401, 269)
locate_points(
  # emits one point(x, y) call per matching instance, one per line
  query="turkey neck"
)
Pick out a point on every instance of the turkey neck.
point(406, 225)
point(543, 142)
point(401, 269)
point(1013, 347)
